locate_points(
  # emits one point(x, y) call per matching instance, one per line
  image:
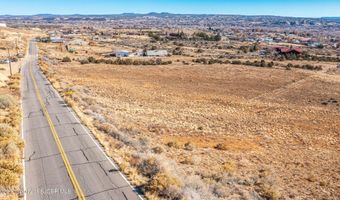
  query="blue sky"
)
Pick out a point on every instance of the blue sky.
point(299, 8)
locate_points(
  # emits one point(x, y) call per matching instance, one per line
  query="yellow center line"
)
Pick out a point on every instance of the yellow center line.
point(70, 172)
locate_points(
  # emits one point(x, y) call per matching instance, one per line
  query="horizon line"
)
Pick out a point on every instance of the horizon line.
point(84, 14)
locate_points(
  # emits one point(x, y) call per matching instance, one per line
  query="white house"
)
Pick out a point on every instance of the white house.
point(57, 40)
point(156, 53)
point(3, 25)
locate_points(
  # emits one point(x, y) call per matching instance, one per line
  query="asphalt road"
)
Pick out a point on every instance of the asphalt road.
point(61, 158)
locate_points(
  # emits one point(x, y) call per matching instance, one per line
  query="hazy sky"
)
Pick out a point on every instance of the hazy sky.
point(303, 8)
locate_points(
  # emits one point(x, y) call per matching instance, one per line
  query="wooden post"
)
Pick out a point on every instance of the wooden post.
point(16, 46)
point(9, 62)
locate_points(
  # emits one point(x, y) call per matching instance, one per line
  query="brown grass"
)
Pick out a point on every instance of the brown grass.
point(11, 144)
point(237, 119)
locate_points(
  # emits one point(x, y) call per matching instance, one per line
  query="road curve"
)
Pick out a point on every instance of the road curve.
point(61, 158)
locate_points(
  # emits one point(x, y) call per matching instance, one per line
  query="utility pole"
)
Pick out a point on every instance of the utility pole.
point(16, 46)
point(9, 61)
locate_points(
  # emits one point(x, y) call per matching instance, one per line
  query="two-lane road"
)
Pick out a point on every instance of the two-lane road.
point(61, 158)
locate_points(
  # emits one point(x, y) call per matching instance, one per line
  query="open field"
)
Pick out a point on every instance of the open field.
point(228, 131)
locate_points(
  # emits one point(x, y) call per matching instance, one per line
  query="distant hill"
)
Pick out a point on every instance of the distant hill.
point(331, 18)
point(157, 14)
point(180, 20)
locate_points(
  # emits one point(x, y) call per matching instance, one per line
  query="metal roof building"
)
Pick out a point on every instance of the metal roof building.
point(156, 53)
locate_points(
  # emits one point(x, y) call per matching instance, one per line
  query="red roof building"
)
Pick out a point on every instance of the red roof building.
point(286, 50)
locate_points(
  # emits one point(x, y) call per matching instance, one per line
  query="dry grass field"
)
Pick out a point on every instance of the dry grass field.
point(212, 131)
point(11, 144)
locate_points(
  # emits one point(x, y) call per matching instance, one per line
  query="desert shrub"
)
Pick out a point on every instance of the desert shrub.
point(12, 149)
point(200, 50)
point(173, 144)
point(10, 165)
point(158, 149)
point(205, 36)
point(157, 61)
point(270, 192)
point(166, 186)
point(289, 66)
point(220, 190)
point(68, 92)
point(206, 61)
point(91, 59)
point(188, 146)
point(221, 146)
point(177, 51)
point(270, 64)
point(263, 63)
point(305, 66)
point(70, 103)
point(101, 60)
point(236, 62)
point(194, 188)
point(266, 185)
point(149, 167)
point(6, 101)
point(200, 60)
point(66, 59)
point(8, 179)
point(248, 63)
point(311, 67)
point(229, 167)
point(84, 61)
point(154, 36)
point(213, 61)
point(188, 160)
point(144, 141)
point(244, 49)
point(2, 154)
point(109, 61)
point(6, 130)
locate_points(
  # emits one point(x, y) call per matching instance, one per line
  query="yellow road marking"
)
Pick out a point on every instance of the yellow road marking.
point(70, 172)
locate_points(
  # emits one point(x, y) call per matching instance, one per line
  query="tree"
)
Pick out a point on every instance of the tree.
point(217, 37)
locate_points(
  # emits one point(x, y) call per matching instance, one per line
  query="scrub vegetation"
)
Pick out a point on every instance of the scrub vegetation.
point(11, 144)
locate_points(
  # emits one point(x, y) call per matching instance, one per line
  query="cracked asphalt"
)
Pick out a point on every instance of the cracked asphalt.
point(45, 174)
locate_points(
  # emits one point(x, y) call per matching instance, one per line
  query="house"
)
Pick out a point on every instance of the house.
point(266, 39)
point(286, 50)
point(3, 25)
point(121, 53)
point(315, 45)
point(57, 40)
point(156, 53)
